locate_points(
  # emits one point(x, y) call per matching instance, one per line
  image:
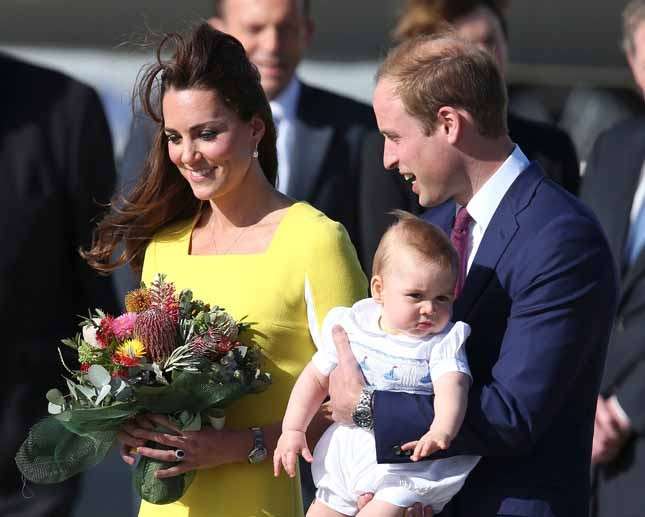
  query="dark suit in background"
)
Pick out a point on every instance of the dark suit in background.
point(57, 163)
point(540, 298)
point(610, 182)
point(382, 191)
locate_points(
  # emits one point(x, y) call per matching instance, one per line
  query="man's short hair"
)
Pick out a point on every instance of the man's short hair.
point(430, 72)
point(633, 16)
point(414, 233)
point(420, 17)
point(217, 6)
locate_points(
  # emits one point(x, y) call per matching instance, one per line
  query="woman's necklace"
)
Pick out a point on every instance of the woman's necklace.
point(226, 251)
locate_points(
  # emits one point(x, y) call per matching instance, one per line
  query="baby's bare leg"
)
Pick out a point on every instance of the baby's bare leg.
point(381, 509)
point(318, 509)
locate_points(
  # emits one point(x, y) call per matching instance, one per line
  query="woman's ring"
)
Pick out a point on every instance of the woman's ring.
point(179, 454)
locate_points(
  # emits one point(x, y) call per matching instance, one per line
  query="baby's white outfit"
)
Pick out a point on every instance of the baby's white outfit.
point(345, 464)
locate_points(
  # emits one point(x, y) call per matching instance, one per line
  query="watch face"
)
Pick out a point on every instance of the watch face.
point(258, 455)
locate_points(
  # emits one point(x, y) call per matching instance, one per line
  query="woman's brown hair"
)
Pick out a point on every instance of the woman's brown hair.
point(205, 59)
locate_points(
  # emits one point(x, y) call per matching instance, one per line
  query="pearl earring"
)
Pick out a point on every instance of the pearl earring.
point(255, 153)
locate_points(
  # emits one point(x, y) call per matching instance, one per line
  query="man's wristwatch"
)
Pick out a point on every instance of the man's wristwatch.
point(362, 412)
point(259, 451)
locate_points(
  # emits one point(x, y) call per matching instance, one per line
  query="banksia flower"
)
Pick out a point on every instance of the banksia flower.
point(211, 344)
point(158, 333)
point(137, 300)
point(162, 297)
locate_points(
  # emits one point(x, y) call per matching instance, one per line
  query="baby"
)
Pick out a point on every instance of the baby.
point(403, 339)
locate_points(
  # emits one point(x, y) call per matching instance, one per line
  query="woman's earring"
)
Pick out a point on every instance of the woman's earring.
point(255, 153)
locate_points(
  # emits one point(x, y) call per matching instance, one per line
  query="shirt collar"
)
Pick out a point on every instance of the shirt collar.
point(483, 204)
point(285, 104)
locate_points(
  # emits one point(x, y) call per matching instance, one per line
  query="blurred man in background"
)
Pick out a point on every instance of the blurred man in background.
point(56, 155)
point(614, 187)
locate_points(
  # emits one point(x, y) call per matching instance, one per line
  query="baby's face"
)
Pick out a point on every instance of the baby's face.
point(416, 295)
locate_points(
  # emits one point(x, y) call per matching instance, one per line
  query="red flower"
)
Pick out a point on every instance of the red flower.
point(105, 332)
point(85, 367)
point(125, 360)
point(121, 373)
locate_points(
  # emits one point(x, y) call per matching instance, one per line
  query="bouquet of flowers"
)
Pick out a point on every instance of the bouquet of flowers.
point(168, 354)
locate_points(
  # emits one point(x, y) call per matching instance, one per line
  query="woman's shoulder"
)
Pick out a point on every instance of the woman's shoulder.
point(313, 226)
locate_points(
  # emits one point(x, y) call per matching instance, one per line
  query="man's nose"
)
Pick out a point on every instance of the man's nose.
point(390, 160)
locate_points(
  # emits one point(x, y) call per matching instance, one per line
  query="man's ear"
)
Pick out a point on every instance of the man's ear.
point(376, 286)
point(450, 123)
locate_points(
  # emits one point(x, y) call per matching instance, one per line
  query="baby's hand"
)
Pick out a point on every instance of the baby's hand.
point(430, 442)
point(290, 444)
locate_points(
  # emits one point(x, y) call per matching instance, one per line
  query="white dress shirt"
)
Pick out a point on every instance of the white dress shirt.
point(284, 108)
point(484, 203)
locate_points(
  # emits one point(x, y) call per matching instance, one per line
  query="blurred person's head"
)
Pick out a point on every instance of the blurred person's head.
point(439, 102)
point(634, 39)
point(275, 34)
point(481, 22)
point(213, 115)
point(413, 277)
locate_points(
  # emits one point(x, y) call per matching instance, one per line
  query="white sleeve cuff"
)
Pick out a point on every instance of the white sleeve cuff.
point(323, 363)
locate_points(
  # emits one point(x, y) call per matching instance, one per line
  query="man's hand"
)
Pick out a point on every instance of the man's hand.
point(413, 511)
point(611, 431)
point(346, 380)
point(430, 442)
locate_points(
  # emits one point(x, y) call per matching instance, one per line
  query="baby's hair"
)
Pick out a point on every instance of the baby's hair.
point(424, 237)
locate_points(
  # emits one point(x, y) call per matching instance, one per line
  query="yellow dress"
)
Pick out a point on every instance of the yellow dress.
point(309, 267)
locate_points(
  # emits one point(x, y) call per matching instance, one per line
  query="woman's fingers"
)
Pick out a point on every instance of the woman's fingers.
point(126, 453)
point(173, 471)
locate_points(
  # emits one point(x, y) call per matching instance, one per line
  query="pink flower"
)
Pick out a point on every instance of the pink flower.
point(123, 326)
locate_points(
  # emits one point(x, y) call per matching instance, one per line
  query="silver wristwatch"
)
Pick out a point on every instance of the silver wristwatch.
point(362, 412)
point(259, 451)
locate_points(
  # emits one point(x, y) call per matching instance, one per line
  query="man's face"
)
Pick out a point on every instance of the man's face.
point(636, 58)
point(427, 162)
point(275, 34)
point(484, 29)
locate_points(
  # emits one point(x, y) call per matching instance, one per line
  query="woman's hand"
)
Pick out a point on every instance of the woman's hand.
point(202, 449)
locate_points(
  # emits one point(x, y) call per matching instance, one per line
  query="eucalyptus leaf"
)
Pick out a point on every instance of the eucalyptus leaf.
point(98, 375)
point(55, 397)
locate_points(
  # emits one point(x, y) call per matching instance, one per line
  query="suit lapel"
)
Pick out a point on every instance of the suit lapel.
point(498, 235)
point(309, 147)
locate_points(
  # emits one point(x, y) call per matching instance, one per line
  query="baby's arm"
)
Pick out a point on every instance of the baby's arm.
point(308, 393)
point(450, 401)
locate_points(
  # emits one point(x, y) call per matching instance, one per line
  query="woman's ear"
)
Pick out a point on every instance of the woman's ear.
point(376, 286)
point(257, 128)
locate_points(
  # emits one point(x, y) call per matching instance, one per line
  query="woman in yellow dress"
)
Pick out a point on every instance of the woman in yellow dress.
point(206, 214)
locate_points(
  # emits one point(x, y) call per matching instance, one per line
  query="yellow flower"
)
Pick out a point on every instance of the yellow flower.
point(131, 348)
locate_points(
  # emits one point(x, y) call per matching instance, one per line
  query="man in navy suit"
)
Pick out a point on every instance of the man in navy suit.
point(540, 291)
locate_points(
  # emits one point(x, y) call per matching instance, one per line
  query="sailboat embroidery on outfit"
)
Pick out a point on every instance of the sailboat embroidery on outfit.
point(391, 375)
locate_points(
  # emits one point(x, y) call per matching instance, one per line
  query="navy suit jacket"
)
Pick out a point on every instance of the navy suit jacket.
point(540, 297)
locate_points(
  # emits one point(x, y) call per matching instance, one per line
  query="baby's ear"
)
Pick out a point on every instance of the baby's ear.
point(376, 286)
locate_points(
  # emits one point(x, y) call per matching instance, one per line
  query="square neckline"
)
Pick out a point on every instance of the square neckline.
point(276, 234)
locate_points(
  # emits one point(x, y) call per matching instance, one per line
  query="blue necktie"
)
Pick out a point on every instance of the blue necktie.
point(636, 238)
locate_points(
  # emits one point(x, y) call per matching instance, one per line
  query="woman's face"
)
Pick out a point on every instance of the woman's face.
point(207, 141)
